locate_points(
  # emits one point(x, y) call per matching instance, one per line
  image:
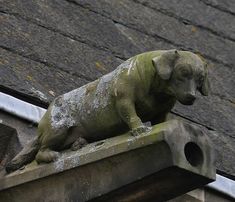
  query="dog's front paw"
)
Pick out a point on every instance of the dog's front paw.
point(140, 130)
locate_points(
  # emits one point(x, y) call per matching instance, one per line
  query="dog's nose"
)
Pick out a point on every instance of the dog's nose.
point(189, 98)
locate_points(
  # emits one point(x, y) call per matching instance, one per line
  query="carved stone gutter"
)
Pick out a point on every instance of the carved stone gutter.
point(172, 159)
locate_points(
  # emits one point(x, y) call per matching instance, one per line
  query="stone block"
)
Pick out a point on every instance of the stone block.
point(9, 144)
point(172, 159)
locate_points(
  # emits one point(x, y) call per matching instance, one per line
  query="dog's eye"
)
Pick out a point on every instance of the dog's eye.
point(185, 73)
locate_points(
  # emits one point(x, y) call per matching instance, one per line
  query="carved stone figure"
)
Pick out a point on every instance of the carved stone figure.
point(143, 88)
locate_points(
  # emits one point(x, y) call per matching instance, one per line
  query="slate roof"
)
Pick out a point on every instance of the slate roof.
point(48, 47)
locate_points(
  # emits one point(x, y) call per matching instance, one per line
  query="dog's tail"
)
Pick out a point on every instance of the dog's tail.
point(26, 156)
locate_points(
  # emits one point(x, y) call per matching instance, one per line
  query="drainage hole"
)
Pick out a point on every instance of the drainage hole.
point(193, 154)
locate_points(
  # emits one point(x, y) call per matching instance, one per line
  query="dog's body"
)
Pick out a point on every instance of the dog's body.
point(143, 88)
point(92, 108)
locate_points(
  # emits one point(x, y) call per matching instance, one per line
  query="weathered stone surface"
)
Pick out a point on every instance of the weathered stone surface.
point(9, 145)
point(224, 151)
point(224, 5)
point(223, 146)
point(143, 42)
point(157, 24)
point(33, 78)
point(132, 15)
point(197, 13)
point(212, 112)
point(25, 130)
point(222, 81)
point(153, 160)
point(73, 21)
point(54, 49)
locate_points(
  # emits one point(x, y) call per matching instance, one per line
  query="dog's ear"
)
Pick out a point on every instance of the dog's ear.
point(164, 63)
point(205, 87)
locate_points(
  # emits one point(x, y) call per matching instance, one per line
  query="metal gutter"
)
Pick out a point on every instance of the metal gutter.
point(223, 185)
point(20, 108)
point(34, 113)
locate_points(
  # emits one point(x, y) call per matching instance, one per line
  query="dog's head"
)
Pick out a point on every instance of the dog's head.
point(184, 73)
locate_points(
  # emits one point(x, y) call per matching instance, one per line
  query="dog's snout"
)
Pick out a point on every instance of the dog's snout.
point(189, 99)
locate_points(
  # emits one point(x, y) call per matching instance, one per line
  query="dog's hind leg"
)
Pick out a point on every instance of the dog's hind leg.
point(51, 141)
point(79, 143)
point(75, 139)
point(46, 155)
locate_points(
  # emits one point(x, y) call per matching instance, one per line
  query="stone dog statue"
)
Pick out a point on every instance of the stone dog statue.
point(143, 88)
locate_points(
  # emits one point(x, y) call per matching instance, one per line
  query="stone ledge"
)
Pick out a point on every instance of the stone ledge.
point(174, 152)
